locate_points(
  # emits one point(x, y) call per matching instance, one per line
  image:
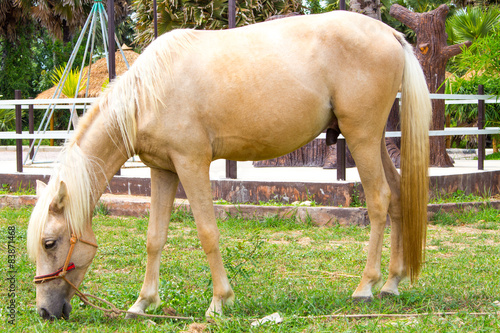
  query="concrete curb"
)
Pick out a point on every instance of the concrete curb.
point(123, 205)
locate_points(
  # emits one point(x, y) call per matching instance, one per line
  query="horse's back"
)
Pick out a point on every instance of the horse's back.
point(264, 90)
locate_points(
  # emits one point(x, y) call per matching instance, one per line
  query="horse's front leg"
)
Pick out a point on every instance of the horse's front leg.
point(194, 176)
point(163, 188)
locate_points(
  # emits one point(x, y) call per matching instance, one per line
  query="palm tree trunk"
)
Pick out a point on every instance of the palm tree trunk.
point(369, 8)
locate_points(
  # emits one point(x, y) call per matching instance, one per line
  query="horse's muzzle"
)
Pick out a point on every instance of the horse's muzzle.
point(61, 311)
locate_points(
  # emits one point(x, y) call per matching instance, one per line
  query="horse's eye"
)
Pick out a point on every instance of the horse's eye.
point(49, 244)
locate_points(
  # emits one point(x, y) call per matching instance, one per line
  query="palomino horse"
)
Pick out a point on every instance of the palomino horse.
point(250, 93)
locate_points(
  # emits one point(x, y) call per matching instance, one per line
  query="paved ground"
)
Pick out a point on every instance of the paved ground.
point(134, 168)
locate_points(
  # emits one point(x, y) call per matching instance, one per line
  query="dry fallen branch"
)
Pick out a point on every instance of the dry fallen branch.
point(400, 315)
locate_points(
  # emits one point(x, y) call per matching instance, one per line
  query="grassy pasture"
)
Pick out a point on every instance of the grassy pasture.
point(303, 272)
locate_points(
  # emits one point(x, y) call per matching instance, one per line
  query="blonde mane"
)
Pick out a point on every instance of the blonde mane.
point(138, 90)
point(78, 172)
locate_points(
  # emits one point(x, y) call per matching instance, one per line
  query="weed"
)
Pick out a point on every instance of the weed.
point(355, 199)
point(101, 209)
point(5, 189)
point(183, 214)
point(239, 259)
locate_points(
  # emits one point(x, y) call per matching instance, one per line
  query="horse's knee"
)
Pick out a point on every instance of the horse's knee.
point(209, 238)
point(154, 245)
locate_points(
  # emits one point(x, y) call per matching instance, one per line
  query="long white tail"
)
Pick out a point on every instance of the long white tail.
point(416, 112)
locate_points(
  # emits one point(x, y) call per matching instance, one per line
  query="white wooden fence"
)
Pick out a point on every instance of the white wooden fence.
point(83, 103)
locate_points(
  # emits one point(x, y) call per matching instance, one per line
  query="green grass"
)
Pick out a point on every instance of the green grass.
point(459, 196)
point(481, 218)
point(275, 265)
point(6, 189)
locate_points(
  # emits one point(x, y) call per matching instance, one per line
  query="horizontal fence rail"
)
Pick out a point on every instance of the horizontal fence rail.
point(83, 103)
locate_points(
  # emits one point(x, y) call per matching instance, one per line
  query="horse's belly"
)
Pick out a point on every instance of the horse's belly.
point(258, 141)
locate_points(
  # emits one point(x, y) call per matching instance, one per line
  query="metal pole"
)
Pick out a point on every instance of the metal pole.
point(155, 16)
point(31, 127)
point(480, 125)
point(19, 130)
point(231, 166)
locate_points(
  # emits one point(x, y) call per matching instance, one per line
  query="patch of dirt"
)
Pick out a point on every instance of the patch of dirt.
point(473, 230)
point(279, 242)
point(196, 328)
point(101, 270)
point(169, 311)
point(305, 241)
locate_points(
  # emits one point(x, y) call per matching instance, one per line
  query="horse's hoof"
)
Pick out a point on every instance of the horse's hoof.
point(362, 299)
point(131, 315)
point(386, 294)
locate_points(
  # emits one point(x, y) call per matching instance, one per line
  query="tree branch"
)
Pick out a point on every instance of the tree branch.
point(442, 11)
point(405, 16)
point(452, 50)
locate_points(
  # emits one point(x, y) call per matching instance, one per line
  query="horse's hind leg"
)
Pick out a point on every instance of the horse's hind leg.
point(163, 188)
point(194, 176)
point(396, 266)
point(366, 153)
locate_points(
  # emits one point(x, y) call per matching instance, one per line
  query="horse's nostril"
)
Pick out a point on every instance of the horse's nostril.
point(66, 310)
point(44, 314)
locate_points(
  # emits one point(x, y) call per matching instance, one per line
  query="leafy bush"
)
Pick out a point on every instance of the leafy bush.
point(7, 120)
point(70, 80)
point(469, 24)
point(481, 64)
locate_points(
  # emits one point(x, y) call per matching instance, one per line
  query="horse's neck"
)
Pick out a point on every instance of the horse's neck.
point(103, 145)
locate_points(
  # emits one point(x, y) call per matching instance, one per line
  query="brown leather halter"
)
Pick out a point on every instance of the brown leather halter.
point(68, 266)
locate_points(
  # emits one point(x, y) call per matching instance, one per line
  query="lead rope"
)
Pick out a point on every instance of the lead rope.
point(113, 311)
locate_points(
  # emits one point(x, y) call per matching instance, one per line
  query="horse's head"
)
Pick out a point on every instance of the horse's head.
point(63, 249)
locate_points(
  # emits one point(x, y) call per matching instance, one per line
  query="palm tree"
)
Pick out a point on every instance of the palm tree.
point(203, 14)
point(63, 18)
point(471, 23)
point(369, 8)
point(13, 15)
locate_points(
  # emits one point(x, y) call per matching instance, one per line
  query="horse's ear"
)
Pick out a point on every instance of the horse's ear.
point(60, 197)
point(40, 187)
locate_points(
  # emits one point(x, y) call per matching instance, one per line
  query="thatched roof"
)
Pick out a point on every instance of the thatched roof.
point(472, 73)
point(98, 74)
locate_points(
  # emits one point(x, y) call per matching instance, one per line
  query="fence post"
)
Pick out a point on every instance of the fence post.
point(231, 169)
point(231, 166)
point(341, 159)
point(31, 127)
point(155, 18)
point(19, 130)
point(111, 47)
point(480, 125)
